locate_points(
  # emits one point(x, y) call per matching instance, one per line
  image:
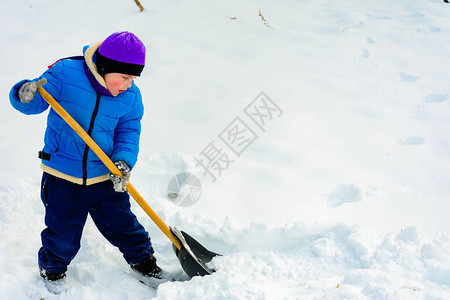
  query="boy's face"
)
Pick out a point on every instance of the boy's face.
point(118, 83)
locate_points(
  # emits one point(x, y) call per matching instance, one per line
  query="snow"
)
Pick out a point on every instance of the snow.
point(342, 195)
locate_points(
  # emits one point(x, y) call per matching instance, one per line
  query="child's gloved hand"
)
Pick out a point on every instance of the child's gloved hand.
point(120, 183)
point(28, 90)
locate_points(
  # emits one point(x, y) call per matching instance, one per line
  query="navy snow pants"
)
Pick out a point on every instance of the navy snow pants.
point(67, 206)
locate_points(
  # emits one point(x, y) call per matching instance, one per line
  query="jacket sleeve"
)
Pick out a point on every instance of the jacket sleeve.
point(127, 134)
point(38, 104)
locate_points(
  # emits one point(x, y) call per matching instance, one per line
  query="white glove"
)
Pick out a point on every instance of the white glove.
point(28, 90)
point(120, 183)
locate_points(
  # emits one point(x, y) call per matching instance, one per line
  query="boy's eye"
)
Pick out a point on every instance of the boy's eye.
point(130, 78)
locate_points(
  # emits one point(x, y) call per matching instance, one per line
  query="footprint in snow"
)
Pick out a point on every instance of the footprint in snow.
point(369, 40)
point(434, 29)
point(436, 98)
point(344, 193)
point(408, 77)
point(412, 140)
point(364, 53)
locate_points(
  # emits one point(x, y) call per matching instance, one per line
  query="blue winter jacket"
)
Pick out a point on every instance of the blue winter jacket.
point(113, 122)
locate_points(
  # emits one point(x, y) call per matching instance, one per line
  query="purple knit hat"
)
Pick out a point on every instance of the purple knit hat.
point(121, 52)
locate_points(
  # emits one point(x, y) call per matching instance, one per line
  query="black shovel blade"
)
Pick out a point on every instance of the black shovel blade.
point(193, 256)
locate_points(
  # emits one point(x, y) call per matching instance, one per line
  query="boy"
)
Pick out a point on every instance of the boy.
point(98, 91)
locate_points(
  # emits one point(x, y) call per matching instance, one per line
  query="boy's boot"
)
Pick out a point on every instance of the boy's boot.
point(150, 274)
point(51, 276)
point(148, 268)
point(55, 282)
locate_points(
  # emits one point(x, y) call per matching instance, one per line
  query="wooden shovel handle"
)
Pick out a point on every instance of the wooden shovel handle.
point(109, 164)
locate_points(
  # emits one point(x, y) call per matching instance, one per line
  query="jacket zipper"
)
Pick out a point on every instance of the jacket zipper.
point(86, 149)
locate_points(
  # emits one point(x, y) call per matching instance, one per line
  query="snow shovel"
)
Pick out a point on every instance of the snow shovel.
point(191, 254)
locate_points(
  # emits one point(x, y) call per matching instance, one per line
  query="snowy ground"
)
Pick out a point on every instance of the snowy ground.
point(343, 195)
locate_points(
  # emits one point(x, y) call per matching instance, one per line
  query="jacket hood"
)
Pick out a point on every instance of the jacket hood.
point(96, 79)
